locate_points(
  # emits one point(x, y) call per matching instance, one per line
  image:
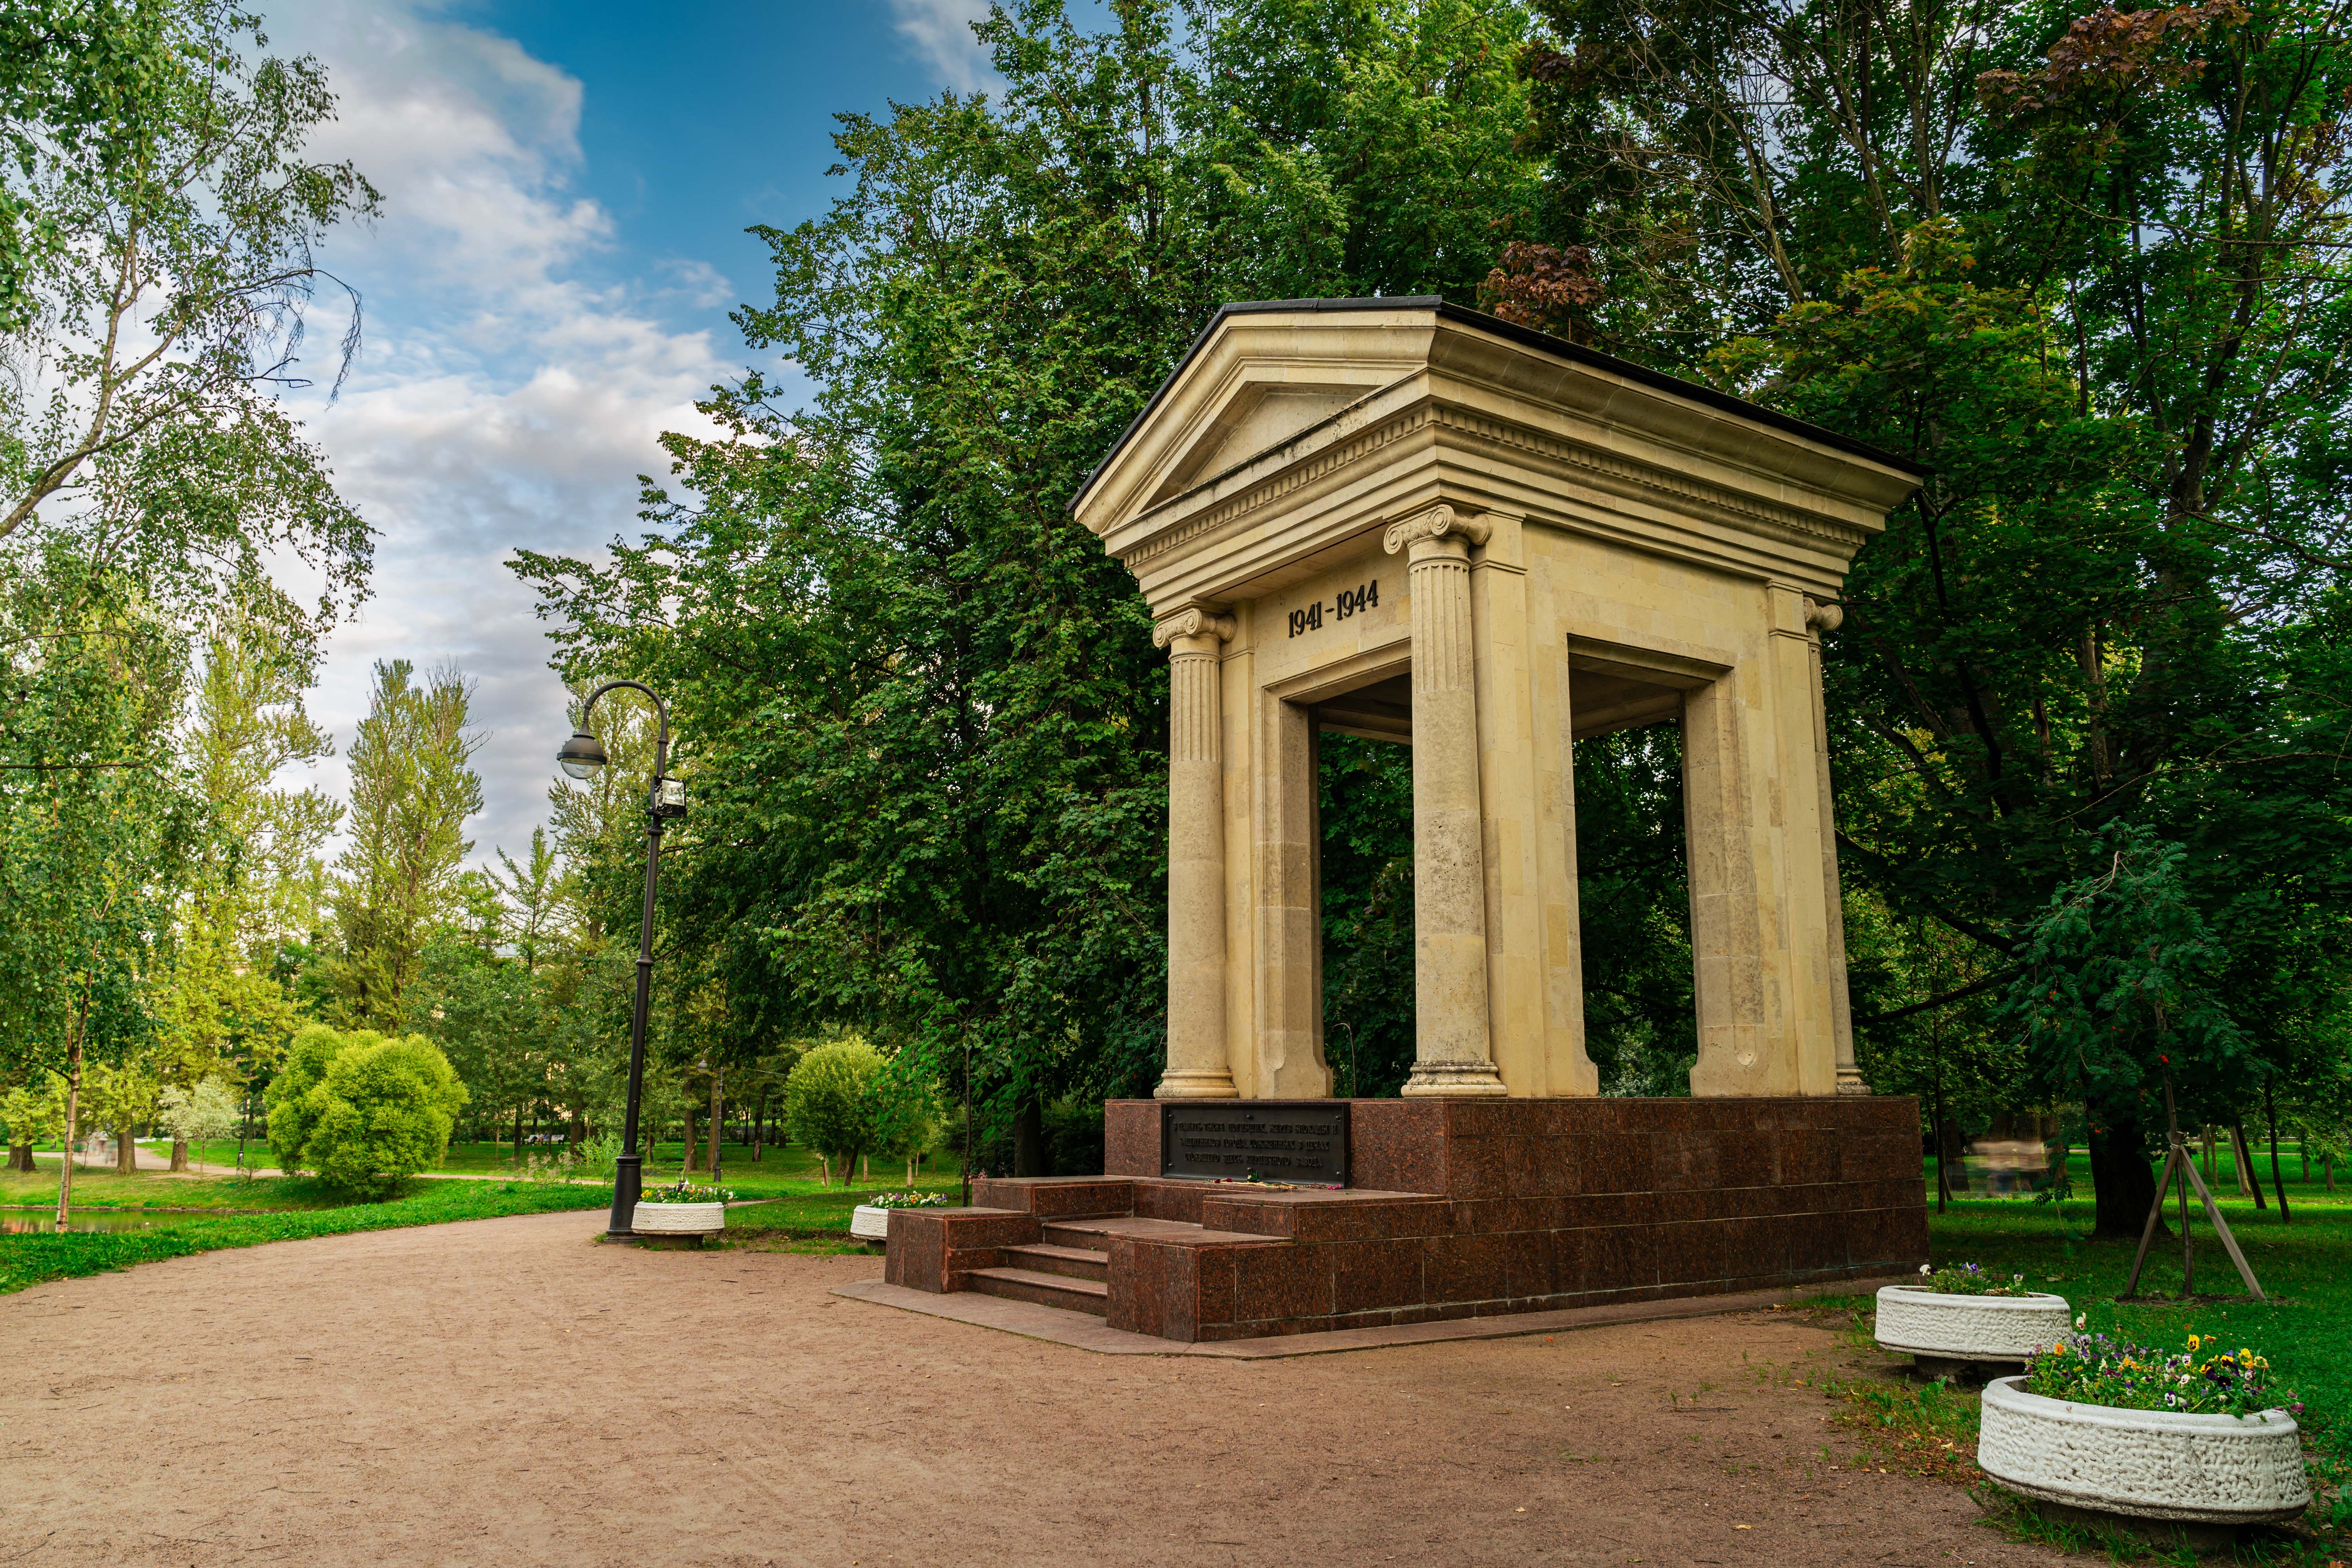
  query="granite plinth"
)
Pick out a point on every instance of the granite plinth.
point(1469, 1208)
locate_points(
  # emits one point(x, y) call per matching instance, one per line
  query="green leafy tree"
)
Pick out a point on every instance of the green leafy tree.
point(412, 787)
point(159, 234)
point(829, 1103)
point(2118, 999)
point(32, 1113)
point(922, 712)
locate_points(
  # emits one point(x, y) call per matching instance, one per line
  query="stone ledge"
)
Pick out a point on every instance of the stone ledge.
point(1081, 1331)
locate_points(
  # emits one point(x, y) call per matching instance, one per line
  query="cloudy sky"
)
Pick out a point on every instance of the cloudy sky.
point(565, 191)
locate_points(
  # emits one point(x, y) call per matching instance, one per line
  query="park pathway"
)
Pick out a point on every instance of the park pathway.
point(511, 1392)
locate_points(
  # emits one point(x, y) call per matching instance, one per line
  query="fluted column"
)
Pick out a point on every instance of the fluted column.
point(1198, 1068)
point(1820, 618)
point(1452, 1052)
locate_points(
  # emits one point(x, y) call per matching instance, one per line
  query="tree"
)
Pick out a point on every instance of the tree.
point(829, 1103)
point(921, 710)
point(2081, 268)
point(33, 1114)
point(203, 1114)
point(411, 791)
point(158, 240)
point(365, 1112)
point(2116, 998)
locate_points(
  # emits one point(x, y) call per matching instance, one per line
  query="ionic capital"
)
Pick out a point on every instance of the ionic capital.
point(1437, 522)
point(1827, 618)
point(1193, 622)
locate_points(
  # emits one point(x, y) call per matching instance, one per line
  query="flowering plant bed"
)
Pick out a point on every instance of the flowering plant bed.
point(1960, 1317)
point(1971, 1279)
point(2203, 1379)
point(680, 1208)
point(682, 1192)
point(869, 1222)
point(2147, 1461)
point(906, 1200)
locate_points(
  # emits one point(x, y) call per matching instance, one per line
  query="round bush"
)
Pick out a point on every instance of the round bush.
point(828, 1106)
point(365, 1112)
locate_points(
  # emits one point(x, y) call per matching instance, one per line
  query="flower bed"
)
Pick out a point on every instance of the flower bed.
point(2150, 1463)
point(680, 1209)
point(1966, 1315)
point(870, 1221)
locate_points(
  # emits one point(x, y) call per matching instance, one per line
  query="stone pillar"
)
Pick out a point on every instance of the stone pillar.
point(1453, 1052)
point(1820, 618)
point(1198, 1068)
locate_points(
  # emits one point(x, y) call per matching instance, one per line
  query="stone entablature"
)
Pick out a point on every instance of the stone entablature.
point(1398, 518)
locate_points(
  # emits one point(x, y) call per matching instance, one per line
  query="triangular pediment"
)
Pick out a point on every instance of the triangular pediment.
point(1258, 418)
point(1261, 377)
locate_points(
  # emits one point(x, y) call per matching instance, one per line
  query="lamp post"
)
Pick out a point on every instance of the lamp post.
point(581, 756)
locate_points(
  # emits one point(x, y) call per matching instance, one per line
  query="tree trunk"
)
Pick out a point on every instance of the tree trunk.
point(2246, 1183)
point(20, 1158)
point(692, 1146)
point(2122, 1184)
point(126, 1151)
point(824, 1170)
point(577, 1132)
point(910, 1171)
point(1029, 1158)
point(718, 1121)
point(2278, 1183)
point(73, 1104)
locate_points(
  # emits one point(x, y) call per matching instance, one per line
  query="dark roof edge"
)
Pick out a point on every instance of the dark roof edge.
point(1697, 392)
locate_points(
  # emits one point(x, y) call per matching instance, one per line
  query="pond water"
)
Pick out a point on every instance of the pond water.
point(42, 1222)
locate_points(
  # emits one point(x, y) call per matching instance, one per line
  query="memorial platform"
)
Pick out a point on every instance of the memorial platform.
point(1449, 1209)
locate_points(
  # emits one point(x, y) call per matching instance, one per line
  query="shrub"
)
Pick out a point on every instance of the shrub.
point(827, 1103)
point(365, 1112)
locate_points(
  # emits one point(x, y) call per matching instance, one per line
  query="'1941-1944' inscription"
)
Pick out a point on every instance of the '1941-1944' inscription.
point(1271, 1141)
point(1351, 602)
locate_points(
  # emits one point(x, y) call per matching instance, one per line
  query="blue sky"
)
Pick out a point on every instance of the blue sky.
point(566, 188)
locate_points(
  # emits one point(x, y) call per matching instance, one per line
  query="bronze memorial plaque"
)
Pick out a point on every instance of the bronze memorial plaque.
point(1266, 1139)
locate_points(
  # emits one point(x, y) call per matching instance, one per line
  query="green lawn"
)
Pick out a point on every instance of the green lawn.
point(2306, 1266)
point(102, 1189)
point(29, 1259)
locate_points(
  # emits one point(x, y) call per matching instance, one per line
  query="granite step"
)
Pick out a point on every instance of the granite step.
point(1093, 1232)
point(1044, 1290)
point(1045, 1258)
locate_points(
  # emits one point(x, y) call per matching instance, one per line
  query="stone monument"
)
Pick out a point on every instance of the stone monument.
point(1396, 517)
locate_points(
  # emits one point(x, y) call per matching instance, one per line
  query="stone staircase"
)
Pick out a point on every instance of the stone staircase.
point(1071, 1266)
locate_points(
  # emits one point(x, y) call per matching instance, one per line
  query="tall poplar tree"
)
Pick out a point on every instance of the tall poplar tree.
point(413, 788)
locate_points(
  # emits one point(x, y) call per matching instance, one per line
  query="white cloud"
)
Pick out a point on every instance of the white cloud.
point(940, 31)
point(501, 400)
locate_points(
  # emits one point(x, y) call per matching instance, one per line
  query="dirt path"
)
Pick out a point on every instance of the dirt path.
point(508, 1392)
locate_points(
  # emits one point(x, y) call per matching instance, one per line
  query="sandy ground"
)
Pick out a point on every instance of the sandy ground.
point(509, 1392)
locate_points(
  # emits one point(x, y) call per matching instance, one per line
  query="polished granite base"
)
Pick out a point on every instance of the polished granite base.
point(1456, 1209)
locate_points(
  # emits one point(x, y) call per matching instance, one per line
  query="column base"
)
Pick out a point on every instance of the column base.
point(1196, 1083)
point(1850, 1082)
point(1454, 1080)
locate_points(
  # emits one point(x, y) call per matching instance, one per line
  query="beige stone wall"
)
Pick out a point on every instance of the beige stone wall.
point(1566, 525)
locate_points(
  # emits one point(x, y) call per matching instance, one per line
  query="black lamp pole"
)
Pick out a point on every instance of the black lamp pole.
point(581, 756)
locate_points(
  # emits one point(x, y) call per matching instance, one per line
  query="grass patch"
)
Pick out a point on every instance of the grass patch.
point(2305, 1268)
point(152, 1190)
point(31, 1259)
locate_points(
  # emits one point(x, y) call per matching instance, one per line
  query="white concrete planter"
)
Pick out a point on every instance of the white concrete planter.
point(867, 1222)
point(1969, 1328)
point(679, 1219)
point(2152, 1464)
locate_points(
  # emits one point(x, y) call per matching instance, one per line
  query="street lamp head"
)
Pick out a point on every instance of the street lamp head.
point(582, 755)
